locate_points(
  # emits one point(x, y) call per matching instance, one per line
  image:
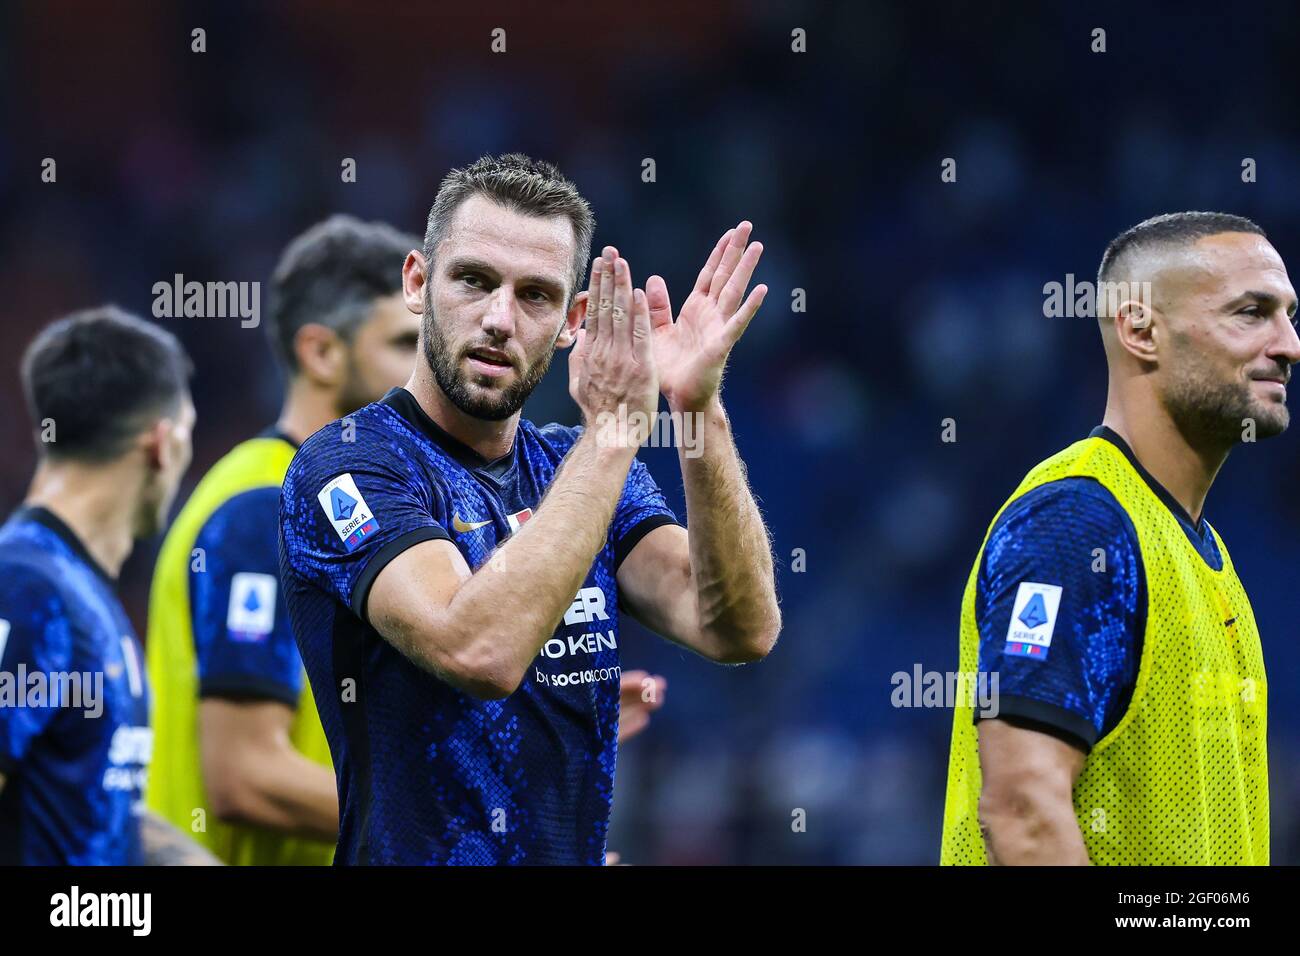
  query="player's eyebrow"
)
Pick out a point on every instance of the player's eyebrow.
point(554, 287)
point(1266, 300)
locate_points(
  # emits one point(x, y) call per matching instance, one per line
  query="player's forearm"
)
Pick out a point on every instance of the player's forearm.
point(731, 557)
point(512, 604)
point(281, 790)
point(164, 845)
point(1026, 831)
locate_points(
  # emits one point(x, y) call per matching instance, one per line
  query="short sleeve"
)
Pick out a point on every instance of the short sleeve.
point(1060, 605)
point(35, 638)
point(347, 508)
point(243, 642)
point(641, 509)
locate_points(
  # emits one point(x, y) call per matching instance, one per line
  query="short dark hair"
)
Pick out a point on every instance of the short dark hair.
point(1171, 228)
point(332, 274)
point(518, 182)
point(101, 376)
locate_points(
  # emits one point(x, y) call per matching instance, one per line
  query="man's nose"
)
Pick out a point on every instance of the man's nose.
point(1287, 345)
point(499, 319)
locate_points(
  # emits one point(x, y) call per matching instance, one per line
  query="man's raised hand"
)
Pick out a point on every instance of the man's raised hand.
point(612, 373)
point(690, 354)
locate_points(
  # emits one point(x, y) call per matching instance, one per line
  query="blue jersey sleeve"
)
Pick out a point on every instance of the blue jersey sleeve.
point(641, 509)
point(242, 639)
point(1061, 606)
point(35, 638)
point(347, 508)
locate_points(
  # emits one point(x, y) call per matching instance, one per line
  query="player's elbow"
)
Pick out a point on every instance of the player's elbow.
point(1002, 808)
point(232, 795)
point(764, 636)
point(1019, 824)
point(747, 643)
point(460, 653)
point(486, 685)
point(479, 670)
point(239, 772)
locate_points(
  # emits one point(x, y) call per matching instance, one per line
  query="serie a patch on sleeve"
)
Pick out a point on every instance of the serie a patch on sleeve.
point(1033, 618)
point(348, 512)
point(251, 614)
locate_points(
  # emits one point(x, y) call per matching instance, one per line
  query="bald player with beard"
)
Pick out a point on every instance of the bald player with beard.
point(1131, 723)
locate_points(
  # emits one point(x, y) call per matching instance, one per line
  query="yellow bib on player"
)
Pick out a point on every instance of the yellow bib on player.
point(1183, 778)
point(176, 789)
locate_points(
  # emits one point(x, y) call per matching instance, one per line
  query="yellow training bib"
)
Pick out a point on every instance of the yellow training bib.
point(1183, 777)
point(176, 789)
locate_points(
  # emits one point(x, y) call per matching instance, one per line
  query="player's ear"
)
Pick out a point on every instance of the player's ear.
point(321, 353)
point(168, 443)
point(573, 321)
point(155, 443)
point(1135, 327)
point(414, 276)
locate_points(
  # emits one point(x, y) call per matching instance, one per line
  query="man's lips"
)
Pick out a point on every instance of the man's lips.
point(1275, 384)
point(490, 361)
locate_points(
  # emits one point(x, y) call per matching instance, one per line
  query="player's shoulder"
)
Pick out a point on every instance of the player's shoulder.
point(40, 602)
point(1057, 521)
point(240, 513)
point(1054, 535)
point(36, 580)
point(33, 572)
point(255, 462)
point(350, 442)
point(1073, 502)
point(377, 420)
point(261, 459)
point(558, 437)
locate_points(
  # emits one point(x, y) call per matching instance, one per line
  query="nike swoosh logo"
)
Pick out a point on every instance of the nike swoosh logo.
point(1229, 622)
point(463, 526)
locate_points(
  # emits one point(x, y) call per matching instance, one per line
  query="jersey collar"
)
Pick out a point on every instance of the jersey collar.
point(1170, 502)
point(48, 519)
point(275, 432)
point(406, 405)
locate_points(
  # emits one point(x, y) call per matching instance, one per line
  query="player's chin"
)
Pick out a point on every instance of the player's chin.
point(1271, 418)
point(491, 401)
point(490, 390)
point(491, 384)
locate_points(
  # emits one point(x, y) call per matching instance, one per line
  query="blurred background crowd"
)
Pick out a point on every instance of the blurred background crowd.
point(924, 299)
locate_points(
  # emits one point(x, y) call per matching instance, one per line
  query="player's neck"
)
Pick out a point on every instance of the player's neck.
point(491, 439)
point(89, 499)
point(307, 409)
point(1183, 469)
